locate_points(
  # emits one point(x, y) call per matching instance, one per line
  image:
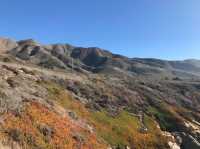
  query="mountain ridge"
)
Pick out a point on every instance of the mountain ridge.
point(91, 47)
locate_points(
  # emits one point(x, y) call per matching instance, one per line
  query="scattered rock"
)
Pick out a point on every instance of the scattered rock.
point(12, 83)
point(14, 70)
point(15, 134)
point(46, 130)
point(73, 115)
point(79, 138)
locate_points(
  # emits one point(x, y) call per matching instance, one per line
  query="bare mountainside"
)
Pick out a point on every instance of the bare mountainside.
point(63, 96)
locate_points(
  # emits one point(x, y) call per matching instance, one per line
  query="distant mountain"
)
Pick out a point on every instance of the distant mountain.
point(98, 60)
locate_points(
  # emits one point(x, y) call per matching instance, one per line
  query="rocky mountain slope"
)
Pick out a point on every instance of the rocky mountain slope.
point(63, 96)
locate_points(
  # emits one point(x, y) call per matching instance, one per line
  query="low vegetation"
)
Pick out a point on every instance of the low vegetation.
point(120, 130)
point(168, 119)
point(38, 127)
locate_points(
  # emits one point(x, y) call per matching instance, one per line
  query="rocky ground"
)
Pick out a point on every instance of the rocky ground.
point(61, 96)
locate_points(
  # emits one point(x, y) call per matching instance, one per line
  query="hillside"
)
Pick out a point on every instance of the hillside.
point(63, 96)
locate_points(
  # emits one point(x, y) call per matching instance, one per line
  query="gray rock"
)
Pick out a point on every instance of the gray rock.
point(73, 115)
point(189, 142)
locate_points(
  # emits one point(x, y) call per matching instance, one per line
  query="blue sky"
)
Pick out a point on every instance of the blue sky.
point(167, 29)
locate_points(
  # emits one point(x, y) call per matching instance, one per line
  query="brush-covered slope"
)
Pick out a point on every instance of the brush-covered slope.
point(62, 96)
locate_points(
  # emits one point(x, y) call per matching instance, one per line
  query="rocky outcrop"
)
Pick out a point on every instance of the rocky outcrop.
point(189, 141)
point(7, 44)
point(90, 56)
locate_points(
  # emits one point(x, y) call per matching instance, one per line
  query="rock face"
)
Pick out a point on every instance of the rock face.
point(93, 57)
point(6, 45)
point(188, 141)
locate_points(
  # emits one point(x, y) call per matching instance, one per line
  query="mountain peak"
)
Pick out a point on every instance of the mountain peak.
point(30, 42)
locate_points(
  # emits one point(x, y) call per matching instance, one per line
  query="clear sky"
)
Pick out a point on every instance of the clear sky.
point(168, 29)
